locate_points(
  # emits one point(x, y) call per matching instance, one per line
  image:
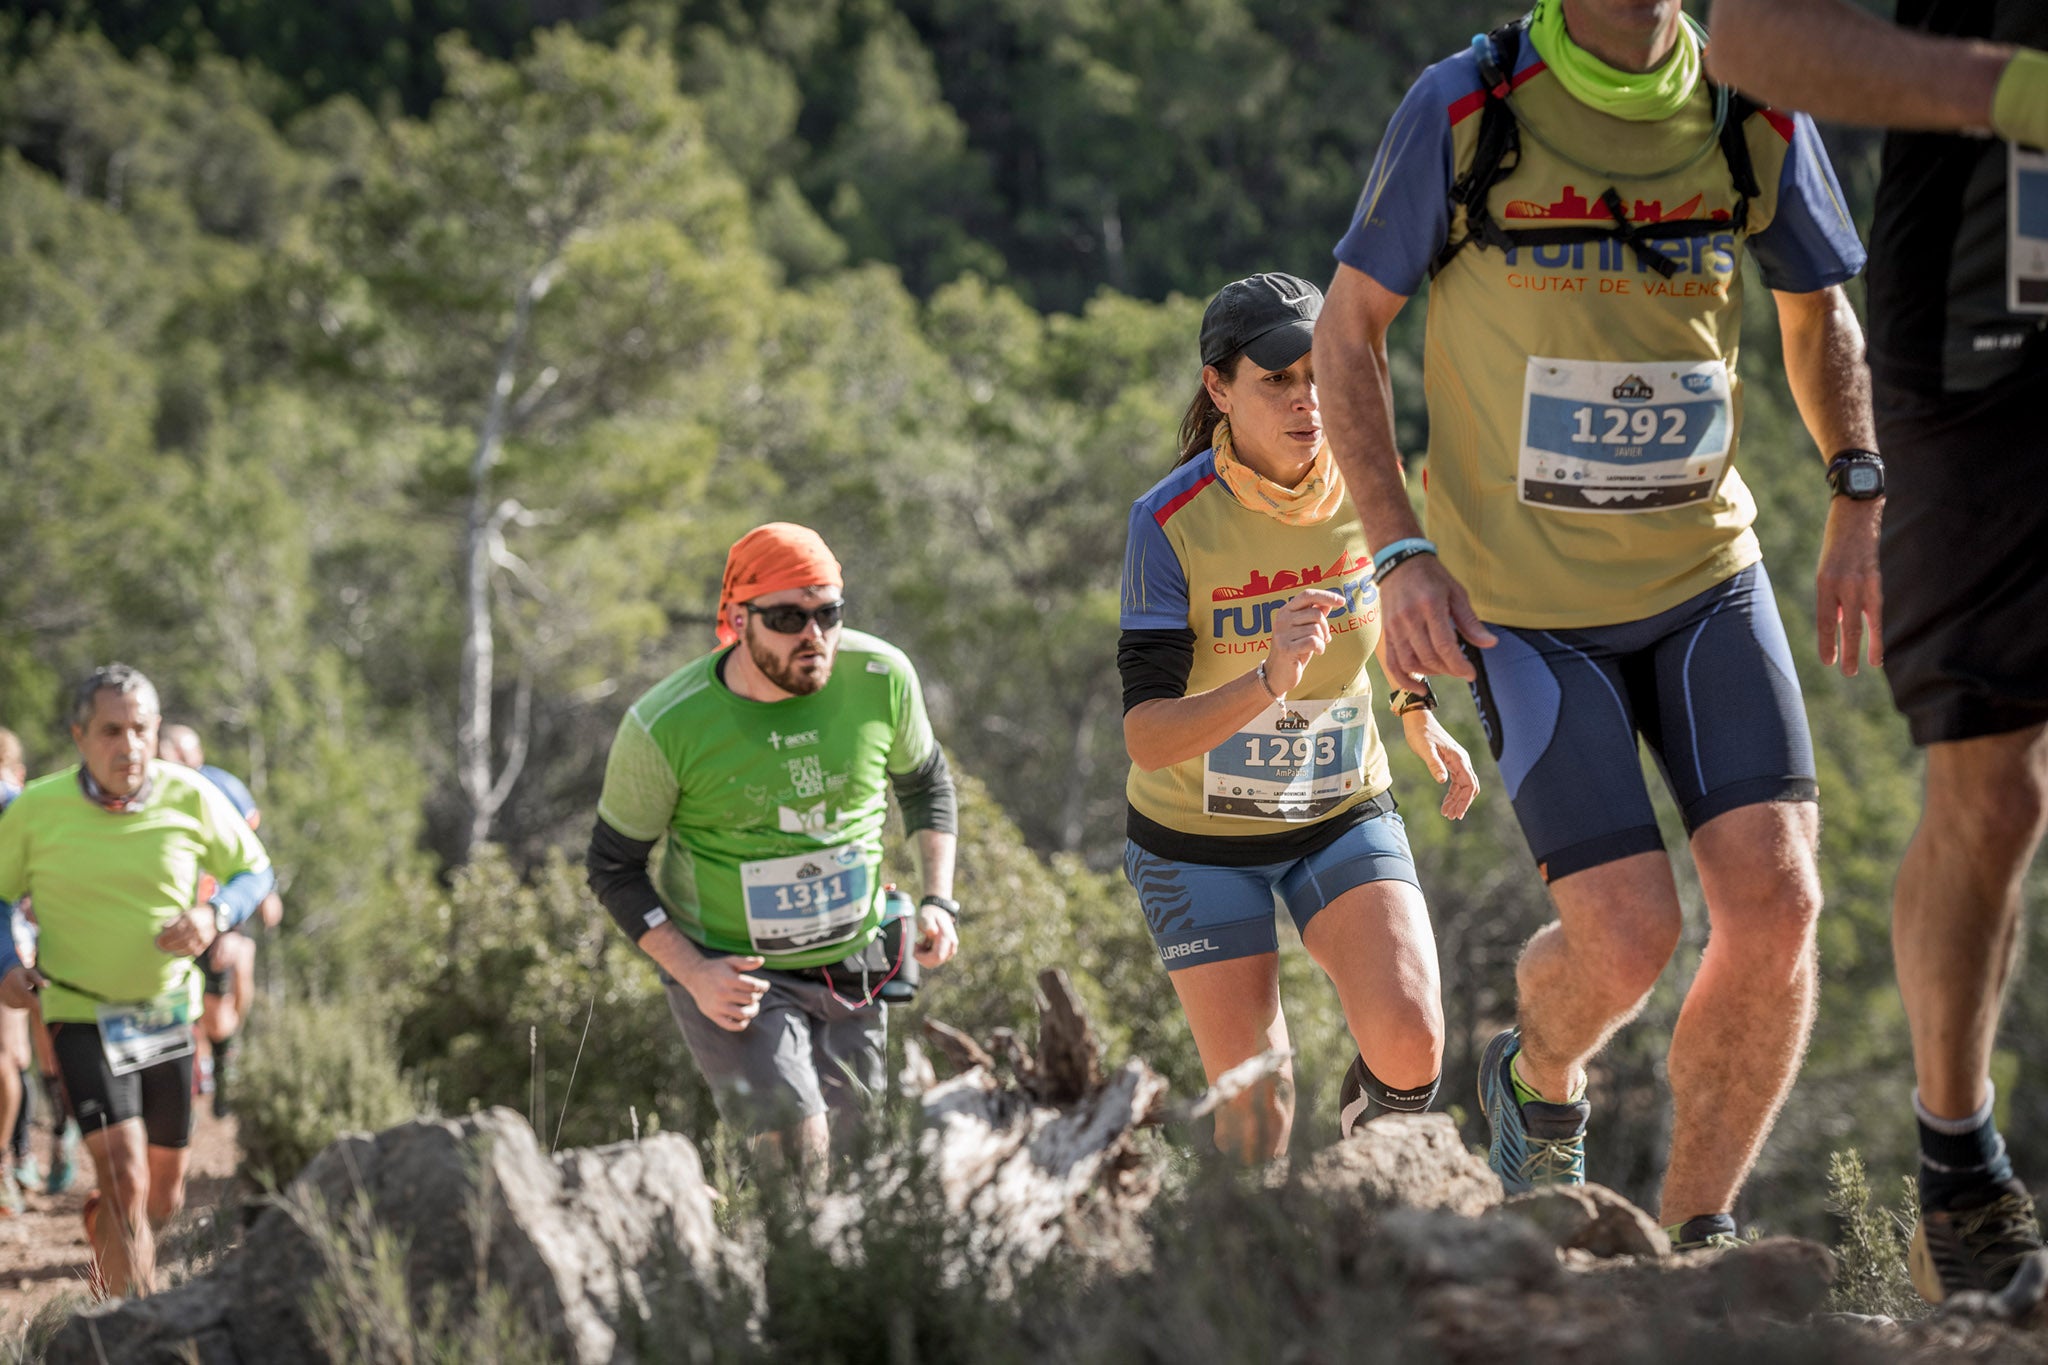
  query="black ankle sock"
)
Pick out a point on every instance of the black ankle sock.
point(1958, 1156)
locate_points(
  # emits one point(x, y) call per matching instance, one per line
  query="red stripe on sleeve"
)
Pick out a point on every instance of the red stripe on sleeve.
point(1165, 514)
point(1782, 122)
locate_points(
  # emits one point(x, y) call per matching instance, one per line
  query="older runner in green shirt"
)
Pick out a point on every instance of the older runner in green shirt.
point(739, 842)
point(111, 852)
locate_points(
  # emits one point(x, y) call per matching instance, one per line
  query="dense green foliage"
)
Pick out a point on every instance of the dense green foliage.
point(924, 275)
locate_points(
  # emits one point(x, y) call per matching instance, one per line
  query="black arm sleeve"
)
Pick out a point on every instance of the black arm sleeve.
point(617, 870)
point(926, 795)
point(1154, 663)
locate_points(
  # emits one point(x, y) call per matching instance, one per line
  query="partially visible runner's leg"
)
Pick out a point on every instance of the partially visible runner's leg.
point(1955, 933)
point(123, 1242)
point(1375, 944)
point(1233, 1009)
point(1742, 1032)
point(1587, 973)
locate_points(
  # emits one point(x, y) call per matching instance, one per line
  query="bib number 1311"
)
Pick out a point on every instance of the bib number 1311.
point(811, 895)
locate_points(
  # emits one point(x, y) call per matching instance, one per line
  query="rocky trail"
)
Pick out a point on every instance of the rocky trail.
point(1067, 1241)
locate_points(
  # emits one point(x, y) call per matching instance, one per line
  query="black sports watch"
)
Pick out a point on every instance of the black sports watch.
point(1857, 475)
point(945, 903)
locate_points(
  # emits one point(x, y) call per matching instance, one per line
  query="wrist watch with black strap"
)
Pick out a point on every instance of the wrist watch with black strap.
point(1401, 701)
point(945, 903)
point(1857, 475)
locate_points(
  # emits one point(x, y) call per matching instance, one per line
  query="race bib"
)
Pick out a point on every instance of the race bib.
point(806, 901)
point(1298, 765)
point(1633, 436)
point(2026, 239)
point(134, 1037)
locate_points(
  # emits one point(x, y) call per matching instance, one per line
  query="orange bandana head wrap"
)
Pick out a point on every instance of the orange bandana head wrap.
point(773, 558)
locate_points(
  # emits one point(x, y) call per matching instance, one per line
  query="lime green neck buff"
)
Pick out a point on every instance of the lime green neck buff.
point(1639, 97)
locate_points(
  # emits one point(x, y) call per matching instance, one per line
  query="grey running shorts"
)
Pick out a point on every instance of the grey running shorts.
point(807, 1052)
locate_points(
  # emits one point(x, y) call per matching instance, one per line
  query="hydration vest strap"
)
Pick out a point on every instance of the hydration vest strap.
point(1499, 148)
point(1498, 151)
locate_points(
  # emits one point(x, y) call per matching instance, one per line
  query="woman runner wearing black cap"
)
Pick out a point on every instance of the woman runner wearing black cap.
point(1249, 611)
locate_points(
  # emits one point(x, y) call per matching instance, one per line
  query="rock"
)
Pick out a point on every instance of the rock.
point(1592, 1219)
point(1413, 1161)
point(573, 1242)
point(177, 1327)
point(1433, 1247)
point(1784, 1277)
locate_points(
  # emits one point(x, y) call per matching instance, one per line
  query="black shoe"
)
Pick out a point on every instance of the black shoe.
point(1975, 1241)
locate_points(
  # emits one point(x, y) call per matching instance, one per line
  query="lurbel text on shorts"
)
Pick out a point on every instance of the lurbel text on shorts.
point(1200, 945)
point(1710, 255)
point(1257, 619)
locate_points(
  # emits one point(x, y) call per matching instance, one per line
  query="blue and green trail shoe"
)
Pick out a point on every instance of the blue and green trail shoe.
point(1534, 1142)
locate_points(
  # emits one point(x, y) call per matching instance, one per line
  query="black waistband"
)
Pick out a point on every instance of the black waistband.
point(1253, 850)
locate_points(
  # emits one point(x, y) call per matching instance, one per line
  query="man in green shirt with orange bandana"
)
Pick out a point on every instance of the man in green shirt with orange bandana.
point(1579, 196)
point(112, 851)
point(739, 843)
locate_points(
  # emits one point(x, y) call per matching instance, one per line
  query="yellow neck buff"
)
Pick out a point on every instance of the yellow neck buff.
point(1309, 503)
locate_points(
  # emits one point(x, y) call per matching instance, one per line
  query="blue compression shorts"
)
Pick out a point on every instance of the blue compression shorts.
point(1708, 685)
point(1201, 913)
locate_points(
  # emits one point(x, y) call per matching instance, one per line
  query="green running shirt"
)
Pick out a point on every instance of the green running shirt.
point(105, 884)
point(769, 815)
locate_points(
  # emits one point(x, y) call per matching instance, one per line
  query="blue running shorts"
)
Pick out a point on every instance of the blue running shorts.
point(1708, 685)
point(1200, 912)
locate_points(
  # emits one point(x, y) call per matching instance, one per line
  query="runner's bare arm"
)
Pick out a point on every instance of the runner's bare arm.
point(721, 986)
point(1835, 60)
point(938, 938)
point(1445, 758)
point(1168, 730)
point(1831, 383)
point(1423, 609)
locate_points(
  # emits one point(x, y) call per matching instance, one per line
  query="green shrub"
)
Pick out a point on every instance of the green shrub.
point(1871, 1254)
point(312, 1071)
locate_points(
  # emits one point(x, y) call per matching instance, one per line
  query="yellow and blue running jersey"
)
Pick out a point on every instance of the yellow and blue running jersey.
point(1199, 560)
point(1584, 410)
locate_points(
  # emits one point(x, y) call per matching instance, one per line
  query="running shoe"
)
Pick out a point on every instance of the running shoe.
point(10, 1198)
point(64, 1165)
point(1533, 1143)
point(1976, 1242)
point(202, 1074)
point(28, 1172)
point(1352, 1102)
point(1708, 1232)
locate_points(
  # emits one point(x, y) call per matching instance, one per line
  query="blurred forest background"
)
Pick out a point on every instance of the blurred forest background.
point(326, 331)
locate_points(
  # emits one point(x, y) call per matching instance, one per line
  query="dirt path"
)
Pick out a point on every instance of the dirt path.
point(43, 1252)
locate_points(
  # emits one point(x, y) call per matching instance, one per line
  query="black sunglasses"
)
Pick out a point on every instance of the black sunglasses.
point(791, 620)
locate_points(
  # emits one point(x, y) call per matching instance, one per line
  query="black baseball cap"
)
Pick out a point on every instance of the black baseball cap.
point(1271, 318)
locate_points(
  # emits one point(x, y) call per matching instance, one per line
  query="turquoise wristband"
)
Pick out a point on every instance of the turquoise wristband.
point(1400, 549)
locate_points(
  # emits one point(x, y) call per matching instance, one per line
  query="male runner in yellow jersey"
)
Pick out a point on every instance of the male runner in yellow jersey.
point(1580, 197)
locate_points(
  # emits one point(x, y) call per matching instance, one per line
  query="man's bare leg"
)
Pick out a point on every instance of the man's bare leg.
point(1587, 973)
point(1742, 1031)
point(1956, 909)
point(122, 1241)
